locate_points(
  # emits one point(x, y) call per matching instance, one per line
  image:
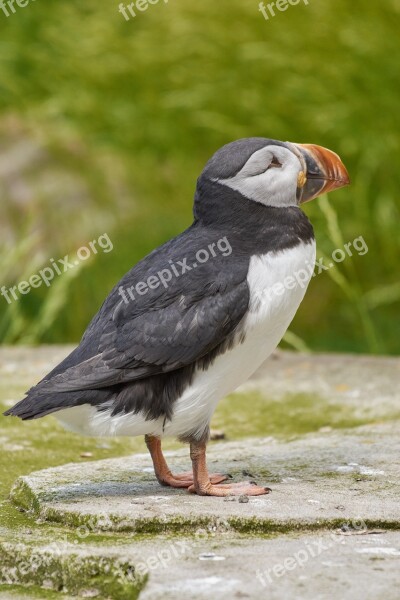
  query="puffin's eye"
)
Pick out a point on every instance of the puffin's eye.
point(274, 164)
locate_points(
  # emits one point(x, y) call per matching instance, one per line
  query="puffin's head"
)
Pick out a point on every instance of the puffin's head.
point(276, 173)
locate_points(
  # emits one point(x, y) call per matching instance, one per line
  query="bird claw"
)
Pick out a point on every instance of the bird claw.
point(244, 488)
point(185, 480)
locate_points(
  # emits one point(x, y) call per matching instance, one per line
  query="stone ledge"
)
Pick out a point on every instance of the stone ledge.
point(86, 571)
point(317, 481)
point(219, 566)
point(368, 384)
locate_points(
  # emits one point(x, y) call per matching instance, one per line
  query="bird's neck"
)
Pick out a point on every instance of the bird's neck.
point(252, 224)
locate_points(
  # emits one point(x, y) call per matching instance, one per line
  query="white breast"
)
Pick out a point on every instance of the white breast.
point(272, 309)
point(277, 284)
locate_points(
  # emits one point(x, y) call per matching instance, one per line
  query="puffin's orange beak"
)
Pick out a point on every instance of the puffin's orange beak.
point(325, 172)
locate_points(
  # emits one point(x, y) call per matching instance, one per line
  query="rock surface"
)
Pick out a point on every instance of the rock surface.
point(318, 480)
point(369, 384)
point(334, 511)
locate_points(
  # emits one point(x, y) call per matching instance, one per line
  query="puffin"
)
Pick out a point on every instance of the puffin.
point(195, 318)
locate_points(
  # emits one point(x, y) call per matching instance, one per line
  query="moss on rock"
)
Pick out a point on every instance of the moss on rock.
point(61, 569)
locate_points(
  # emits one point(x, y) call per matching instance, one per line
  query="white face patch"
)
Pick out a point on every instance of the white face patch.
point(262, 180)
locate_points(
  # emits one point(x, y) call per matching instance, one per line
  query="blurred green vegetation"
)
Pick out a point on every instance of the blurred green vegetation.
point(105, 125)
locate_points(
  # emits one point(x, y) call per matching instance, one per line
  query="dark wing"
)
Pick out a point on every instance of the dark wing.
point(168, 327)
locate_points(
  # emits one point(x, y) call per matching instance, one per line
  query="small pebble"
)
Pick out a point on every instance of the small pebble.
point(89, 593)
point(247, 474)
point(230, 499)
point(210, 556)
point(243, 499)
point(48, 584)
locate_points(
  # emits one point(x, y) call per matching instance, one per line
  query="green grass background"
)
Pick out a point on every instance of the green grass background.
point(105, 125)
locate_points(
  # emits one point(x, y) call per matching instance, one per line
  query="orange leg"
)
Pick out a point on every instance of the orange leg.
point(204, 486)
point(162, 471)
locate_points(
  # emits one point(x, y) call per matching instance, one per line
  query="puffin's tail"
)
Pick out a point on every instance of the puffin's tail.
point(39, 403)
